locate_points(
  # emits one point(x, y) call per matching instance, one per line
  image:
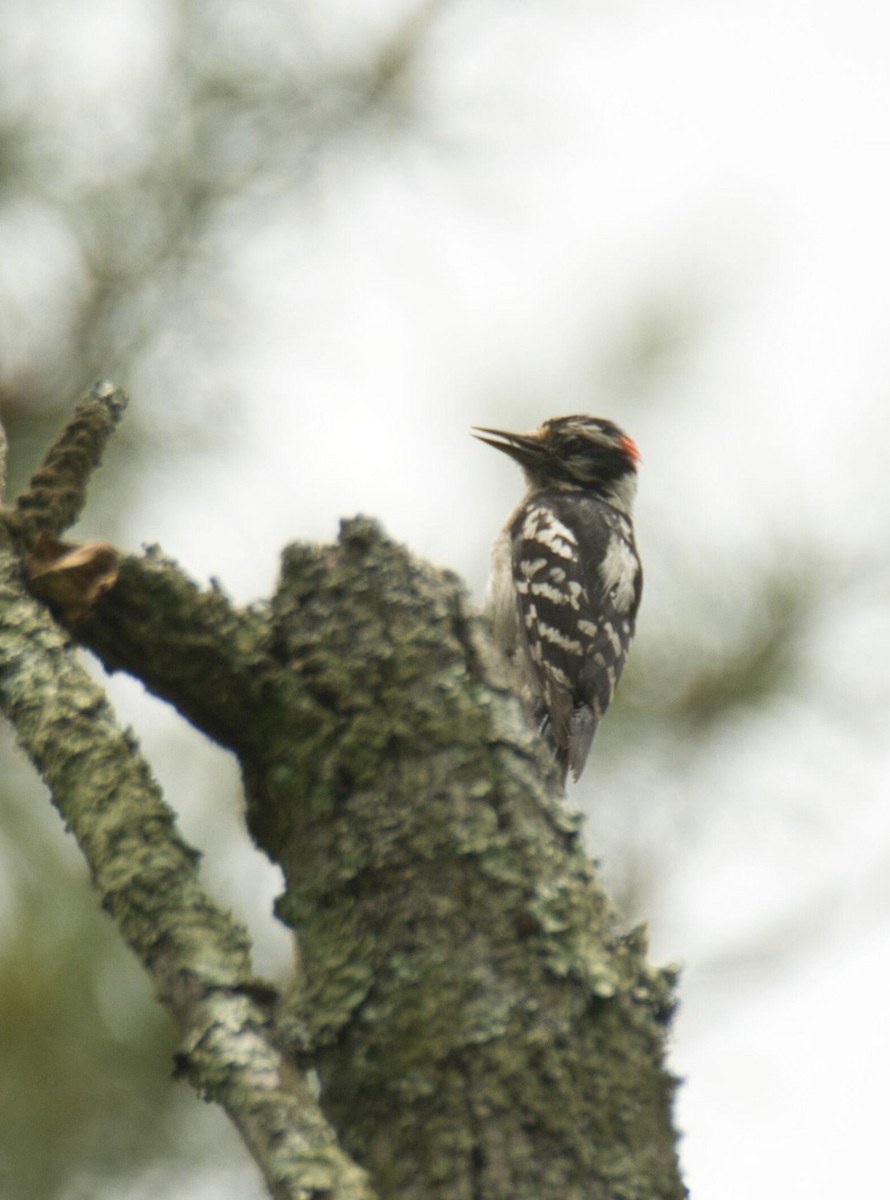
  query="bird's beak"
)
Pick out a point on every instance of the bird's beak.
point(524, 448)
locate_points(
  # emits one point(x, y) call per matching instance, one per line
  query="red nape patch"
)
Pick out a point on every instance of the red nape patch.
point(629, 446)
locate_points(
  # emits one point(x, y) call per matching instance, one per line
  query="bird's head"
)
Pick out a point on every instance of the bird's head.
point(573, 453)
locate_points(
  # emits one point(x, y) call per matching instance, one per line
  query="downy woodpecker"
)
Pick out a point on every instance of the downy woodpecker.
point(566, 577)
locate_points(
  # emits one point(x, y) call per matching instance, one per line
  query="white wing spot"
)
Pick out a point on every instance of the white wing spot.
point(558, 674)
point(554, 595)
point(529, 567)
point(614, 639)
point(542, 526)
point(556, 638)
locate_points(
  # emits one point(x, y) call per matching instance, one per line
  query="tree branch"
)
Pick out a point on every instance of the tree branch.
point(147, 879)
point(56, 494)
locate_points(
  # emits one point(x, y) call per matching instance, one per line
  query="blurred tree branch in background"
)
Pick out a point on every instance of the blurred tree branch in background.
point(141, 199)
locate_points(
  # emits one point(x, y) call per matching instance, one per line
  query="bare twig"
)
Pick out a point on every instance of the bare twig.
point(56, 494)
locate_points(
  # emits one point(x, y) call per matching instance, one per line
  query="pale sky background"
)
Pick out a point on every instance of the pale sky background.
point(730, 157)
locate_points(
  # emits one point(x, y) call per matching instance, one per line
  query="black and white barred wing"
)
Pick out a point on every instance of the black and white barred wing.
point(578, 582)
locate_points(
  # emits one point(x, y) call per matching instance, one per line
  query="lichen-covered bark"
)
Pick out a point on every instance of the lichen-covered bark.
point(481, 1027)
point(463, 970)
point(147, 879)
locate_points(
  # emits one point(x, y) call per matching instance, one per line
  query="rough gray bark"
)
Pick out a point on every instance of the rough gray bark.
point(480, 1026)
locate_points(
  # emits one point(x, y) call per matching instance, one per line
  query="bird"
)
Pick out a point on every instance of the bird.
point(566, 578)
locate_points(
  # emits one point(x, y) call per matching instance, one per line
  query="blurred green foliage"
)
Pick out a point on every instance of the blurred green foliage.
point(85, 1050)
point(724, 655)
